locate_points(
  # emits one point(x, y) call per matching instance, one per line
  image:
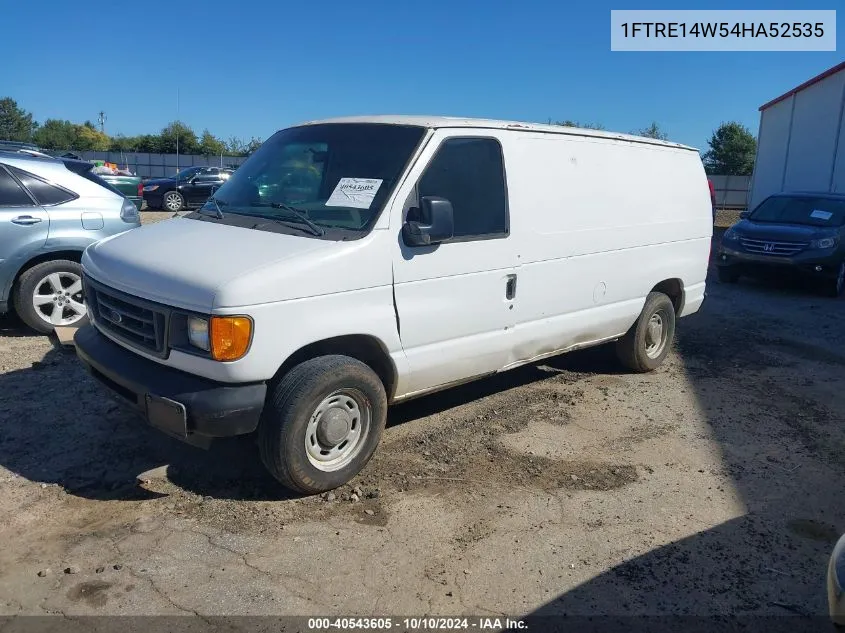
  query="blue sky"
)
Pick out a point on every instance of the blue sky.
point(250, 67)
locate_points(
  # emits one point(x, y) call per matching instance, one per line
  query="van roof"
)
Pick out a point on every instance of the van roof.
point(447, 122)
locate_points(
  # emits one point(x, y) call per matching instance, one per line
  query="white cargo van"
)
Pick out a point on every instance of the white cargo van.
point(353, 263)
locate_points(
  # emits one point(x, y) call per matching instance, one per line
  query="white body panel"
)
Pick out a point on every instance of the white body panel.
point(597, 220)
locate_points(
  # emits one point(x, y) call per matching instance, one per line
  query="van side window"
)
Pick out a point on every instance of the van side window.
point(470, 173)
point(11, 194)
point(45, 193)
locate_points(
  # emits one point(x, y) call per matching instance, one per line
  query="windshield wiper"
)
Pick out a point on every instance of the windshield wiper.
point(219, 213)
point(315, 229)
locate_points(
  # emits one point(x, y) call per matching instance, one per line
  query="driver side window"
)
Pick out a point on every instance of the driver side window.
point(470, 173)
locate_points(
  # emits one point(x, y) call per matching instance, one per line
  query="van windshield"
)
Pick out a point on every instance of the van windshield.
point(339, 175)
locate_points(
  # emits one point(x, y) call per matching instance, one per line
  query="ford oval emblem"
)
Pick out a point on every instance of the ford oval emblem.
point(116, 317)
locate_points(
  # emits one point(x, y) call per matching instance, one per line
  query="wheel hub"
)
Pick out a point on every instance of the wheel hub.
point(333, 427)
point(337, 430)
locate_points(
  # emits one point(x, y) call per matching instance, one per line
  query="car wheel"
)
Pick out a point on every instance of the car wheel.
point(172, 201)
point(49, 295)
point(836, 285)
point(728, 275)
point(322, 423)
point(647, 343)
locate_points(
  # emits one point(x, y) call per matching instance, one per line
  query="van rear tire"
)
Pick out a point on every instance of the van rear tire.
point(647, 343)
point(322, 423)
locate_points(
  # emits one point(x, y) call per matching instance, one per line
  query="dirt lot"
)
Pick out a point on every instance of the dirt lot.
point(709, 486)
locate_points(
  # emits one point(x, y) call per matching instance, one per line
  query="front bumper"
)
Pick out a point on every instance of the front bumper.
point(820, 264)
point(182, 405)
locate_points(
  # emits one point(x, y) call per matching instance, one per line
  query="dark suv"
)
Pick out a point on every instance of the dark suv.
point(789, 233)
point(191, 187)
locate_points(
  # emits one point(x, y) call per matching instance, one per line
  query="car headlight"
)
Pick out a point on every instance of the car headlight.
point(129, 212)
point(150, 187)
point(825, 242)
point(198, 333)
point(730, 235)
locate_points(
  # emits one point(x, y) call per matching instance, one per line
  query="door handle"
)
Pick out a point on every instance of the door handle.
point(510, 287)
point(25, 220)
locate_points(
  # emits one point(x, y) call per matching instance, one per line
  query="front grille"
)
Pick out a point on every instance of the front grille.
point(135, 321)
point(770, 247)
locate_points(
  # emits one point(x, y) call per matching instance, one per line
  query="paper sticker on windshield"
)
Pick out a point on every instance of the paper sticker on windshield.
point(818, 214)
point(354, 192)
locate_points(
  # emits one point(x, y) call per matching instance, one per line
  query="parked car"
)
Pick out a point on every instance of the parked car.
point(191, 187)
point(50, 211)
point(789, 234)
point(428, 252)
point(129, 186)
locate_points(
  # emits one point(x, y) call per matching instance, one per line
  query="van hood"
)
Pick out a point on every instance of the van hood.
point(202, 266)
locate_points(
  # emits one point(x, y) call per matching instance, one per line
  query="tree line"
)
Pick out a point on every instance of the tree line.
point(16, 124)
point(732, 147)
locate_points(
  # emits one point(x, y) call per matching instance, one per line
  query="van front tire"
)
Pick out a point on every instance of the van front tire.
point(647, 343)
point(322, 423)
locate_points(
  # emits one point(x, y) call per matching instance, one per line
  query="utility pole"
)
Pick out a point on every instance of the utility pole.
point(101, 119)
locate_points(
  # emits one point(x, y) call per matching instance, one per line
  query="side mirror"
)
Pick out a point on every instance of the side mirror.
point(436, 222)
point(744, 214)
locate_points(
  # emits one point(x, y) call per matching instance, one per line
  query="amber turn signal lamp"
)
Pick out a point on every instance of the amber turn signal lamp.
point(230, 336)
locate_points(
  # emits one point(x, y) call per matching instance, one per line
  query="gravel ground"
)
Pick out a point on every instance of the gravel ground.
point(707, 487)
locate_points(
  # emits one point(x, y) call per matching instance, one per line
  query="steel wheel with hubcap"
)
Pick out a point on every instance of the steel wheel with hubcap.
point(655, 336)
point(173, 201)
point(647, 342)
point(322, 422)
point(50, 294)
point(337, 430)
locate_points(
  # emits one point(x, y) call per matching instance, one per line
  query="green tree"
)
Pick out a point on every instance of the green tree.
point(236, 146)
point(732, 150)
point(55, 134)
point(210, 145)
point(188, 143)
point(148, 143)
point(654, 131)
point(254, 144)
point(16, 124)
point(90, 138)
point(121, 143)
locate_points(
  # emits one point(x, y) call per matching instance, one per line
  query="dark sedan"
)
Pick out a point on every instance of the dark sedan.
point(190, 188)
point(789, 233)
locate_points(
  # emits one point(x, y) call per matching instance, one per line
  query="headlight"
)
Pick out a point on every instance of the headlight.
point(150, 187)
point(129, 212)
point(230, 337)
point(198, 333)
point(825, 242)
point(730, 235)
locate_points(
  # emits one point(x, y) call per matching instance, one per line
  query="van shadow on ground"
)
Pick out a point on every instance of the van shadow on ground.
point(60, 426)
point(767, 364)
